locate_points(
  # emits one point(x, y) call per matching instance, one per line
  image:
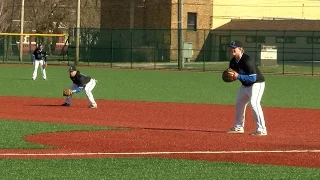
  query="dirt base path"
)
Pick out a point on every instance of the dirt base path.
point(169, 130)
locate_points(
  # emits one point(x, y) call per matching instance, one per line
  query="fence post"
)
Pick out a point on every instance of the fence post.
point(131, 33)
point(154, 47)
point(230, 34)
point(88, 46)
point(204, 49)
point(111, 60)
point(283, 56)
point(5, 47)
point(256, 51)
point(312, 63)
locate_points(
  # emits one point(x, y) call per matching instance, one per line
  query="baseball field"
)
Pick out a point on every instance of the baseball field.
point(153, 124)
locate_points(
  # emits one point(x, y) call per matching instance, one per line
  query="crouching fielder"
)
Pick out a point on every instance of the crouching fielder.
point(81, 82)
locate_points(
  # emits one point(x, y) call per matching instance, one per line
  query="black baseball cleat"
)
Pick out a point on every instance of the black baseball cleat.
point(65, 104)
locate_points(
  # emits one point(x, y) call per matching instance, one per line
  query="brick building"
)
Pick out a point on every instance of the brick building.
point(154, 14)
point(155, 23)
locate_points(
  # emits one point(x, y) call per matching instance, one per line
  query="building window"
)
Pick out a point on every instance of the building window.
point(255, 39)
point(279, 40)
point(287, 39)
point(225, 40)
point(314, 40)
point(290, 39)
point(192, 21)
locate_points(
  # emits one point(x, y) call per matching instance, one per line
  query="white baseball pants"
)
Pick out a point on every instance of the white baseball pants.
point(88, 90)
point(35, 71)
point(252, 94)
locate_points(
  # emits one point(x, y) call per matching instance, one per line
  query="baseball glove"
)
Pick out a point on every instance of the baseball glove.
point(66, 92)
point(228, 75)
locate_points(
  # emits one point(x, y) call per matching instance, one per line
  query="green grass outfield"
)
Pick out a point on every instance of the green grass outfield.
point(160, 86)
point(145, 85)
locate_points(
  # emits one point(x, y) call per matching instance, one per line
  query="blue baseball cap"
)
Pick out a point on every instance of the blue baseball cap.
point(235, 44)
point(72, 68)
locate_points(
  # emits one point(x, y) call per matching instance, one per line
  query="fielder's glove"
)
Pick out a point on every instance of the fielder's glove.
point(228, 75)
point(44, 65)
point(66, 92)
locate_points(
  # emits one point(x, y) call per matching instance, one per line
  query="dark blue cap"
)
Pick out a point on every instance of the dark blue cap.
point(235, 44)
point(72, 68)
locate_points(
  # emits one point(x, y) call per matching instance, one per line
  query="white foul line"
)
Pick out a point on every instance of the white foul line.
point(156, 153)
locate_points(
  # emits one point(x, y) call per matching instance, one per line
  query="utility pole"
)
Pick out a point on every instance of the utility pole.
point(180, 35)
point(21, 31)
point(78, 33)
point(132, 8)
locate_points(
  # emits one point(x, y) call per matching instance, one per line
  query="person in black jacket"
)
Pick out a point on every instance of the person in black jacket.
point(39, 57)
point(81, 82)
point(250, 91)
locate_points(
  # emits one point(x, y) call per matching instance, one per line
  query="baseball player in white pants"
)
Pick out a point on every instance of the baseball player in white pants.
point(252, 95)
point(39, 58)
point(80, 82)
point(251, 90)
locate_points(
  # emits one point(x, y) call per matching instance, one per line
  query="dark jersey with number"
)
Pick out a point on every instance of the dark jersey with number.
point(246, 66)
point(80, 79)
point(40, 54)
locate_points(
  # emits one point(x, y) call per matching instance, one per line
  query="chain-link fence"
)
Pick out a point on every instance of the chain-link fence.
point(55, 45)
point(283, 52)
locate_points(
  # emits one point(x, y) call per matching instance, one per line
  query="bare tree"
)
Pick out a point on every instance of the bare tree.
point(54, 16)
point(7, 9)
point(89, 23)
point(48, 16)
point(6, 15)
point(90, 13)
point(90, 20)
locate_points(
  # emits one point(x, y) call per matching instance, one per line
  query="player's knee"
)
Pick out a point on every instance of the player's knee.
point(255, 104)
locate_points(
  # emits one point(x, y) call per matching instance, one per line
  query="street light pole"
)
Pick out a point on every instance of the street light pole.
point(21, 31)
point(78, 33)
point(132, 14)
point(180, 35)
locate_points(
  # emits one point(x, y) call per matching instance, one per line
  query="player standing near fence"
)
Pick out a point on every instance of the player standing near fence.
point(39, 57)
point(251, 90)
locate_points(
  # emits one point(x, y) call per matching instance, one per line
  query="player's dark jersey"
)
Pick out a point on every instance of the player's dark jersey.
point(80, 79)
point(246, 66)
point(40, 54)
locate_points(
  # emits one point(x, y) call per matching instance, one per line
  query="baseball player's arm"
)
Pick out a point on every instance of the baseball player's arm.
point(247, 78)
point(34, 52)
point(79, 89)
point(33, 58)
point(45, 56)
point(252, 75)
